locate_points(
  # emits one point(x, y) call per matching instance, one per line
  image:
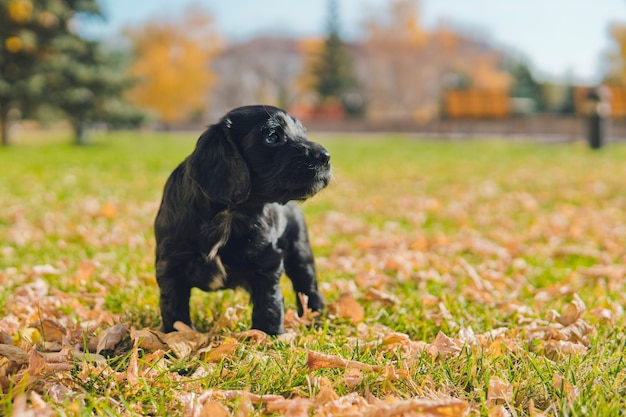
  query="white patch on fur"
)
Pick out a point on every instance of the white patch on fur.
point(227, 122)
point(292, 129)
point(224, 221)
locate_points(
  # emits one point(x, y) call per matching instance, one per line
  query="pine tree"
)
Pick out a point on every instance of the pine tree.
point(88, 83)
point(332, 70)
point(43, 62)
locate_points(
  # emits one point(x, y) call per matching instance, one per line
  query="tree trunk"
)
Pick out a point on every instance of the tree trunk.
point(81, 134)
point(4, 124)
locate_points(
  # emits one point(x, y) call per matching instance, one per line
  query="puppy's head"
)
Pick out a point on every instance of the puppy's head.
point(258, 153)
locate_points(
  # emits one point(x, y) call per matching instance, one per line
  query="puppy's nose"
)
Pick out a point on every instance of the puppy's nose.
point(323, 156)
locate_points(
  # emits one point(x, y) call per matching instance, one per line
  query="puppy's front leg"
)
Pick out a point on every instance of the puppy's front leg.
point(267, 305)
point(174, 302)
point(300, 268)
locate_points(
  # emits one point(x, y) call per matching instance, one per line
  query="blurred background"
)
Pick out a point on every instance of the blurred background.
point(440, 67)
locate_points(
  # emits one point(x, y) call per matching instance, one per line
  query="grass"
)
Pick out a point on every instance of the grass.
point(482, 240)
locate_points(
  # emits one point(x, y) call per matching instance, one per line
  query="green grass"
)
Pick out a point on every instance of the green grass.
point(477, 234)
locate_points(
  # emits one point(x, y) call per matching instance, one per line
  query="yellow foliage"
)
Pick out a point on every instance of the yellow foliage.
point(618, 33)
point(486, 74)
point(13, 44)
point(401, 27)
point(172, 62)
point(20, 10)
point(310, 49)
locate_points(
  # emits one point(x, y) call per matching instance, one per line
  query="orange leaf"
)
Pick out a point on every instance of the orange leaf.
point(348, 308)
point(220, 352)
point(315, 360)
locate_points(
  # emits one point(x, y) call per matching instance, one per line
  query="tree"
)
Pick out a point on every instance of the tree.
point(525, 85)
point(27, 31)
point(616, 71)
point(88, 84)
point(404, 68)
point(172, 64)
point(331, 69)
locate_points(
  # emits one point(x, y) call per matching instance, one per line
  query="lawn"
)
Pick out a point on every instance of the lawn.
point(482, 277)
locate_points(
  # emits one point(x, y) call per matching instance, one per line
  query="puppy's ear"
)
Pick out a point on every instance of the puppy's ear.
point(216, 166)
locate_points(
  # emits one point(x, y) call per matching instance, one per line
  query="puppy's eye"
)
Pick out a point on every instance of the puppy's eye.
point(272, 139)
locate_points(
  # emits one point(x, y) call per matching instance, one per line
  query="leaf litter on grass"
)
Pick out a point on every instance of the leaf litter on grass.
point(465, 301)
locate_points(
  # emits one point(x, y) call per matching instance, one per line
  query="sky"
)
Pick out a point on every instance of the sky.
point(560, 38)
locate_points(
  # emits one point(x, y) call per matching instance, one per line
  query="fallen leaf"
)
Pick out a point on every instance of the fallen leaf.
point(51, 330)
point(231, 395)
point(212, 409)
point(218, 353)
point(563, 348)
point(326, 395)
point(447, 407)
point(499, 391)
point(350, 404)
point(14, 354)
point(85, 269)
point(348, 308)
point(352, 377)
point(444, 346)
point(572, 311)
point(372, 294)
point(112, 336)
point(257, 336)
point(315, 360)
point(148, 339)
point(184, 343)
point(575, 332)
point(296, 407)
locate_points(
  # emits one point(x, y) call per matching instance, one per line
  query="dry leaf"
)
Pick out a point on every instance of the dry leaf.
point(563, 348)
point(112, 336)
point(231, 395)
point(148, 339)
point(575, 332)
point(395, 338)
point(315, 360)
point(212, 409)
point(348, 308)
point(444, 346)
point(350, 404)
point(326, 395)
point(132, 372)
point(51, 330)
point(297, 407)
point(218, 353)
point(372, 294)
point(85, 269)
point(185, 342)
point(572, 311)
point(258, 336)
point(499, 391)
point(352, 377)
point(448, 407)
point(245, 406)
point(14, 354)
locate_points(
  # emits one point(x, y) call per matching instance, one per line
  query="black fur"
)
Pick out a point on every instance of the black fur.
point(226, 219)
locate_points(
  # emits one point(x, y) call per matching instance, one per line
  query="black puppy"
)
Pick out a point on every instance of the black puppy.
point(226, 219)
